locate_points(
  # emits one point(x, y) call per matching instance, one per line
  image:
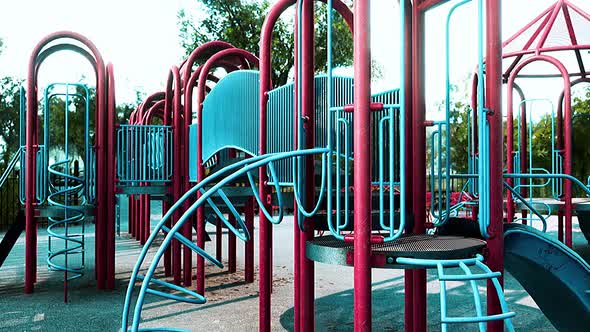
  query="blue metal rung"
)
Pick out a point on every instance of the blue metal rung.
point(470, 277)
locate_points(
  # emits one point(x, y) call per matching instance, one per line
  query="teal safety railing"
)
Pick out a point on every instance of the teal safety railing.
point(90, 176)
point(555, 185)
point(440, 144)
point(440, 141)
point(144, 154)
point(40, 173)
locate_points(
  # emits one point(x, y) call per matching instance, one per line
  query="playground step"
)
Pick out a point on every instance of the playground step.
point(328, 249)
point(11, 236)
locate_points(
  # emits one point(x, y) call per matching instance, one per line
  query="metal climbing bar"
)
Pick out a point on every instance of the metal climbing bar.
point(468, 276)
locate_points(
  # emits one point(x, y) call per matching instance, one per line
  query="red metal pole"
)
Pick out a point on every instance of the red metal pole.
point(147, 215)
point(296, 231)
point(523, 155)
point(168, 253)
point(130, 215)
point(218, 240)
point(510, 148)
point(362, 166)
point(493, 100)
point(174, 95)
point(231, 246)
point(111, 178)
point(265, 252)
point(306, 266)
point(101, 179)
point(30, 179)
point(249, 261)
point(415, 296)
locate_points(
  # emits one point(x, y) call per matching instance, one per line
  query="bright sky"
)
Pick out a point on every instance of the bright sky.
point(140, 37)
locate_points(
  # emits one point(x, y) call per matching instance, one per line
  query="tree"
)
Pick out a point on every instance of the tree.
point(239, 22)
point(541, 145)
point(9, 117)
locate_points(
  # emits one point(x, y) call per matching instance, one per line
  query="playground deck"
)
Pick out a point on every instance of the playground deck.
point(232, 303)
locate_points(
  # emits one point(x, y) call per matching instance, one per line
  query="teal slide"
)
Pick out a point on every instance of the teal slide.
point(556, 277)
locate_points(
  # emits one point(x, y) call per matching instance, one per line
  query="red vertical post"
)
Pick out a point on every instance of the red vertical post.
point(200, 215)
point(130, 215)
point(264, 226)
point(523, 155)
point(111, 178)
point(559, 125)
point(187, 231)
point(218, 240)
point(30, 185)
point(296, 231)
point(362, 166)
point(306, 266)
point(101, 180)
point(231, 245)
point(148, 216)
point(142, 219)
point(567, 154)
point(415, 296)
point(493, 100)
point(178, 127)
point(138, 224)
point(168, 253)
point(249, 245)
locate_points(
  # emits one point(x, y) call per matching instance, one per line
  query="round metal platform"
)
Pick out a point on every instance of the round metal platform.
point(553, 203)
point(327, 249)
point(581, 204)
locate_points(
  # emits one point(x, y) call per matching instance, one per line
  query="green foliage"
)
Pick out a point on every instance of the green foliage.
point(459, 119)
point(239, 22)
point(541, 143)
point(76, 122)
point(9, 117)
point(581, 125)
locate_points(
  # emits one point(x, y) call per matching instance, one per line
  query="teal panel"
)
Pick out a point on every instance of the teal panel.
point(231, 114)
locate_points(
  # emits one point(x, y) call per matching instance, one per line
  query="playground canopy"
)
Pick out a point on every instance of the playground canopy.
point(562, 31)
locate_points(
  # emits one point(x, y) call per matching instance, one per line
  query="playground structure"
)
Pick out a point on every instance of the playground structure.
point(346, 161)
point(65, 186)
point(556, 37)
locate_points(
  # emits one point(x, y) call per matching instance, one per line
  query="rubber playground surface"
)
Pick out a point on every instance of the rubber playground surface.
point(233, 305)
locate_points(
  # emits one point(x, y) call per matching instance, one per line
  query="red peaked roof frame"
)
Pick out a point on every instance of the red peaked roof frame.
point(548, 18)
